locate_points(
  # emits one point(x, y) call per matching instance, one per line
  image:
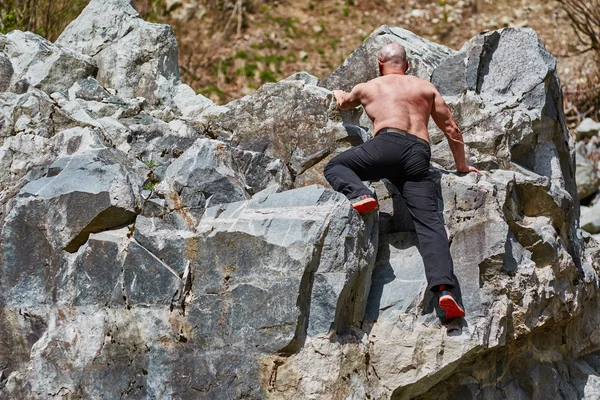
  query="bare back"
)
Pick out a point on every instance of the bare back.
point(399, 101)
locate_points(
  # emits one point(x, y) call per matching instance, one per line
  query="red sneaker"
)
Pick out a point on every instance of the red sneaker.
point(364, 204)
point(450, 305)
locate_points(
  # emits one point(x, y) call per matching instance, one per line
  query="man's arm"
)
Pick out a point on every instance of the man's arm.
point(345, 100)
point(442, 116)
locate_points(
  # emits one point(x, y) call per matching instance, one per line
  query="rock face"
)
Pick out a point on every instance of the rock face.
point(155, 245)
point(134, 57)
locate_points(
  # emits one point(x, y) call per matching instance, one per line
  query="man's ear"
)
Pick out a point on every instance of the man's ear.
point(407, 66)
point(380, 67)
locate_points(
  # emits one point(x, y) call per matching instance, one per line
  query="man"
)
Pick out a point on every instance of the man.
point(400, 106)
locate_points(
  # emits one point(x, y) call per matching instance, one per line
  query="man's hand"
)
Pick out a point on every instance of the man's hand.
point(345, 100)
point(339, 97)
point(467, 169)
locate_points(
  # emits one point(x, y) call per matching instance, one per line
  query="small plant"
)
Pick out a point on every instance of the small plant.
point(346, 11)
point(150, 163)
point(149, 185)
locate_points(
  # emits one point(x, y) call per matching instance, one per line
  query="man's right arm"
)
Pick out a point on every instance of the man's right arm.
point(442, 116)
point(345, 100)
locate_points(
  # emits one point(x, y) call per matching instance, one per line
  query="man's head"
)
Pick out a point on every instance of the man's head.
point(392, 59)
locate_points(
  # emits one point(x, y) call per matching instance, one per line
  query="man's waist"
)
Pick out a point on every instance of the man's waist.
point(402, 133)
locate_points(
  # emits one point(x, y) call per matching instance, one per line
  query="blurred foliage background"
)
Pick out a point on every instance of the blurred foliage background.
point(228, 48)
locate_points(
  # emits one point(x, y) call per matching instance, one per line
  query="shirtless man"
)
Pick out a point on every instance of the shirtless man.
point(400, 106)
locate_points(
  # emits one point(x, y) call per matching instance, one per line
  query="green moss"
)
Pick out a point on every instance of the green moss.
point(346, 11)
point(267, 76)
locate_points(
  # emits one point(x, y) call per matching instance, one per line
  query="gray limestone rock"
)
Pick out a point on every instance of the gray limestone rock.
point(202, 176)
point(587, 128)
point(300, 140)
point(290, 237)
point(309, 135)
point(86, 192)
point(137, 58)
point(587, 177)
point(6, 72)
point(44, 65)
point(590, 218)
point(33, 112)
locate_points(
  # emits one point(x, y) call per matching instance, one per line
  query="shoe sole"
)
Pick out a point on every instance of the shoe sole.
point(365, 206)
point(453, 310)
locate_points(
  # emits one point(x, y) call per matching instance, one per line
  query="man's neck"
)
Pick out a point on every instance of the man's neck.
point(392, 72)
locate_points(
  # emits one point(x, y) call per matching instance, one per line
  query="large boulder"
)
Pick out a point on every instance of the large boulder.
point(256, 279)
point(137, 58)
point(310, 131)
point(513, 236)
point(89, 191)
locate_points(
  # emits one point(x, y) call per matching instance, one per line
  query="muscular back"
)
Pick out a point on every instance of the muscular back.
point(399, 101)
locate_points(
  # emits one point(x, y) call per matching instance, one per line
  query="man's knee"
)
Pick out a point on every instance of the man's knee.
point(332, 163)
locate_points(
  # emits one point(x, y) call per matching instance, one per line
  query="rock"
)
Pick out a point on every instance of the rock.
point(137, 58)
point(587, 177)
point(310, 131)
point(6, 72)
point(88, 89)
point(587, 128)
point(590, 218)
point(29, 113)
point(202, 176)
point(94, 277)
point(44, 65)
point(189, 103)
point(505, 117)
point(86, 192)
point(292, 247)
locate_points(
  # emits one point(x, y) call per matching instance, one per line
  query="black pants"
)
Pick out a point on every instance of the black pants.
point(404, 160)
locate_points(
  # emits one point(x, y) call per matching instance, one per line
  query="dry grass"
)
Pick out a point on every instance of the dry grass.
point(47, 18)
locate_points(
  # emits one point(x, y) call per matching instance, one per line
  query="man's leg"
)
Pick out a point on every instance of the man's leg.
point(346, 171)
point(420, 199)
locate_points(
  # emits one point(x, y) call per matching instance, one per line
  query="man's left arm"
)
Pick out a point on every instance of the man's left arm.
point(345, 100)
